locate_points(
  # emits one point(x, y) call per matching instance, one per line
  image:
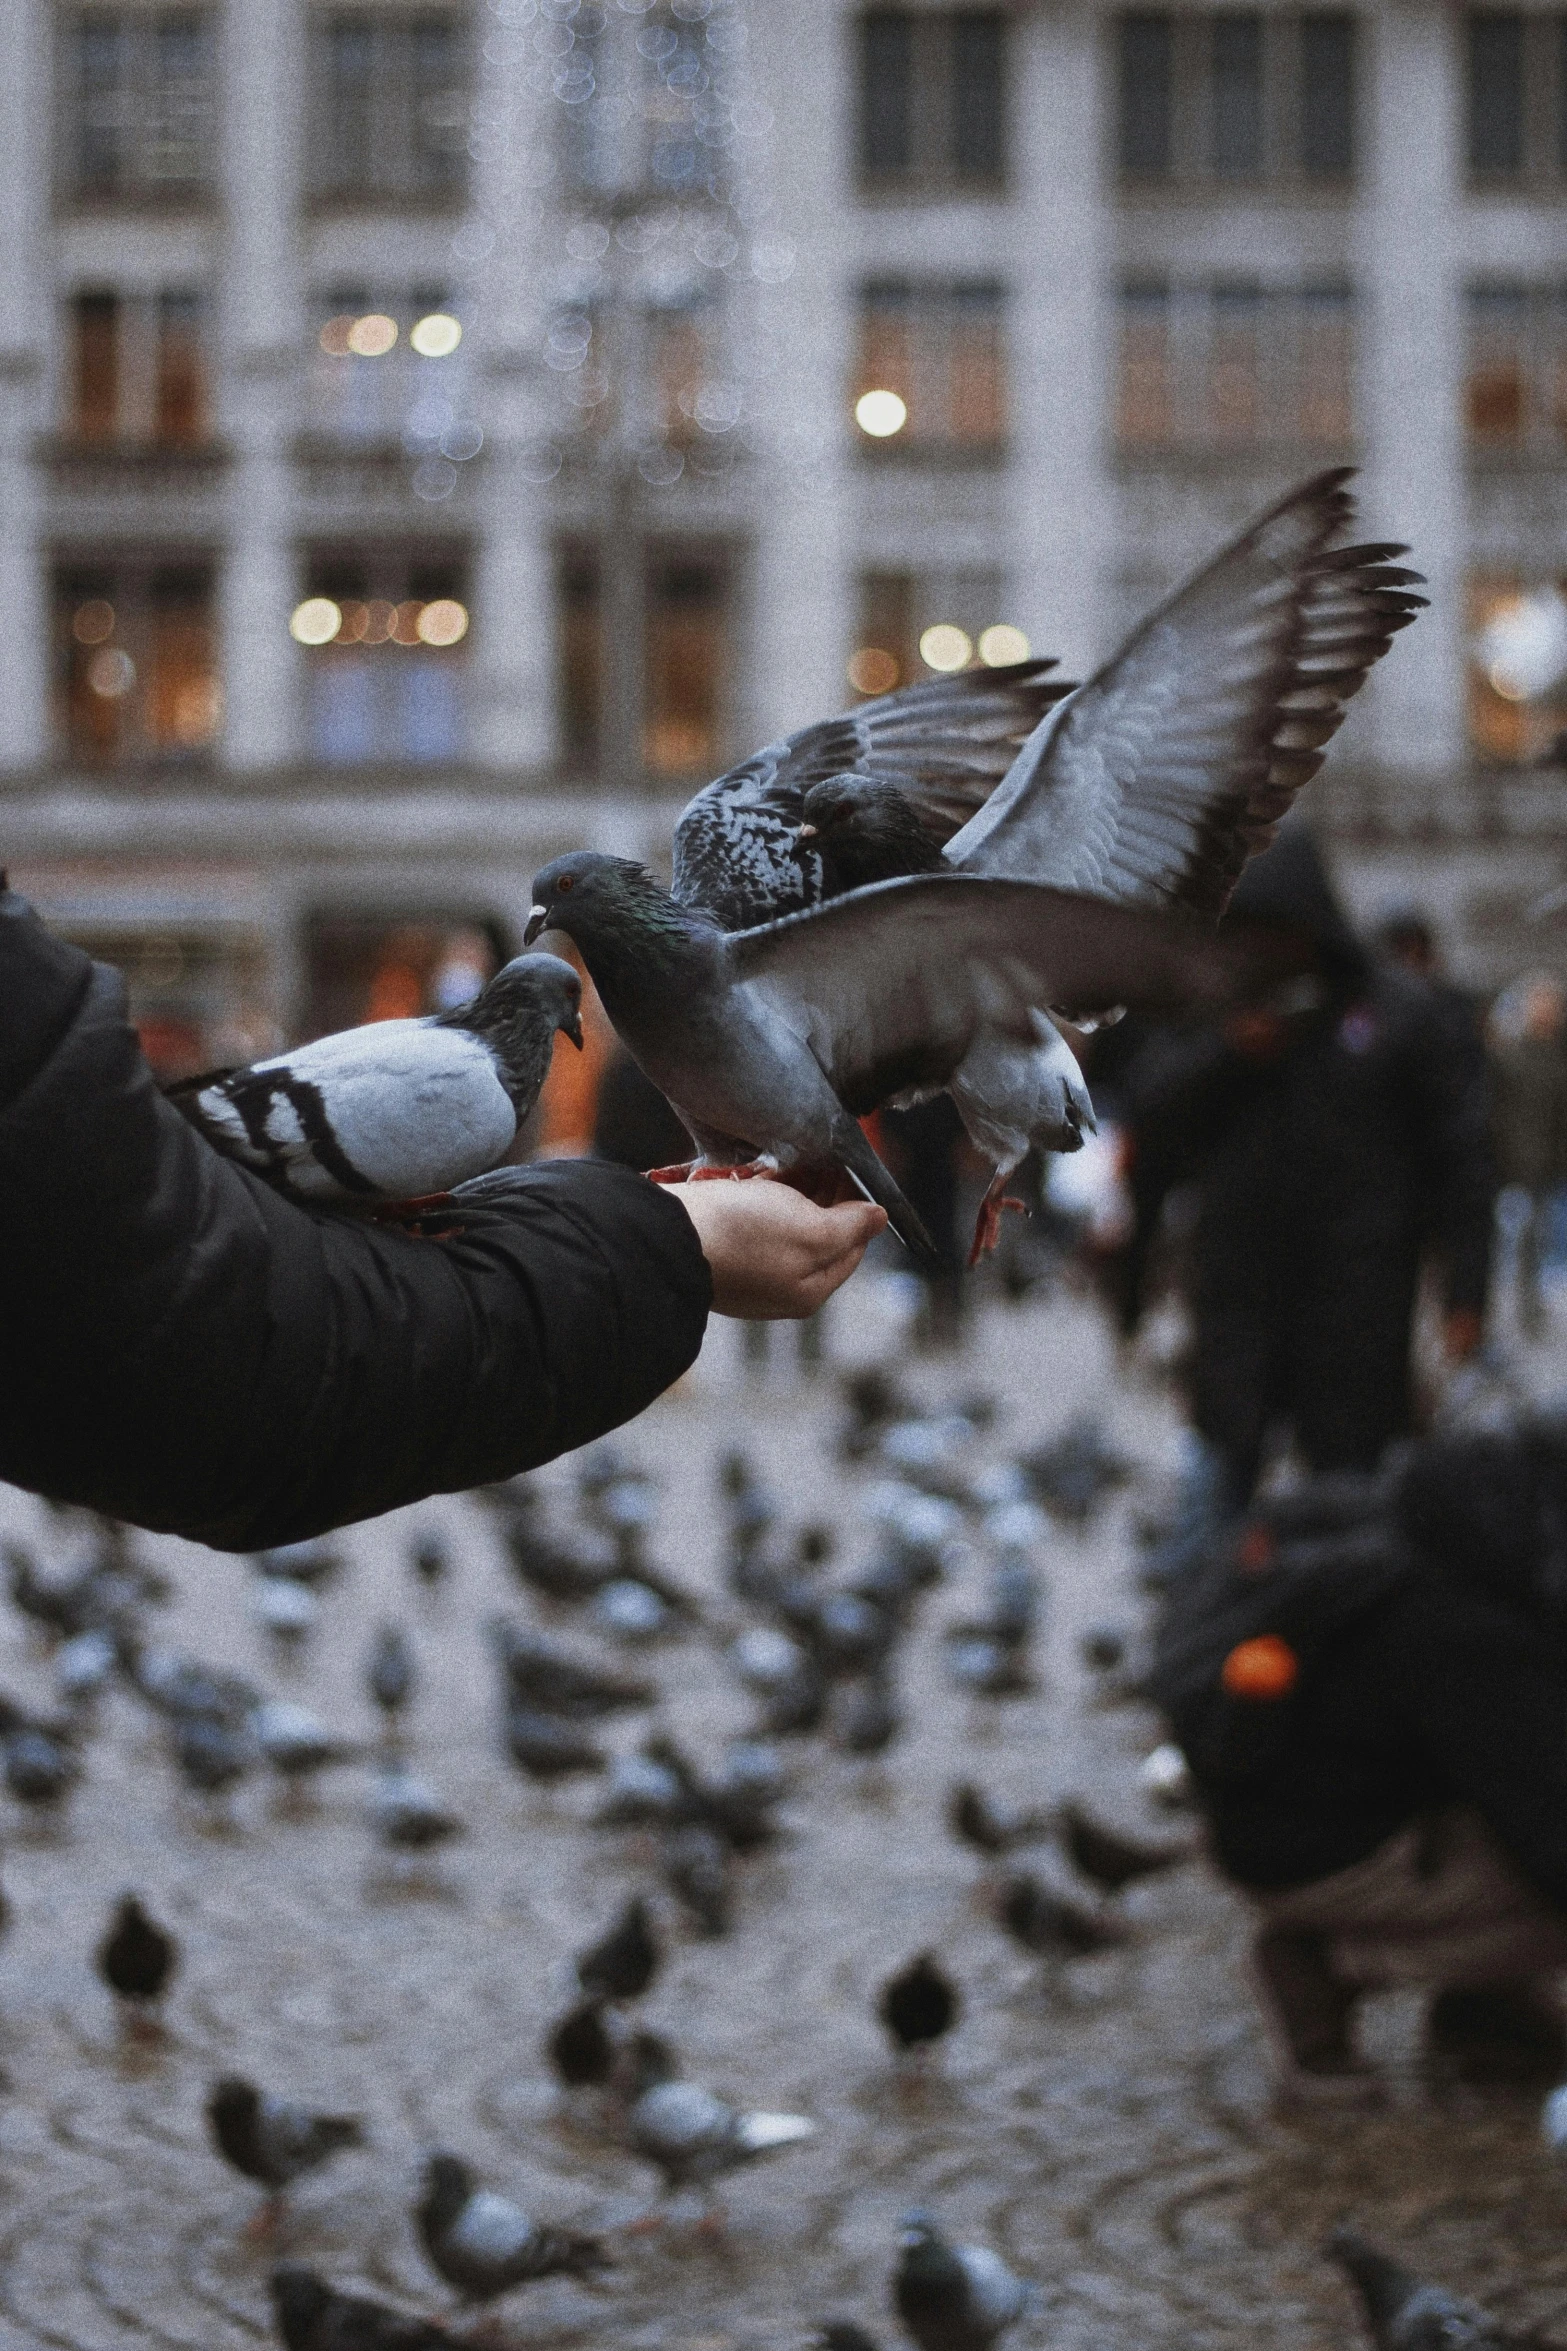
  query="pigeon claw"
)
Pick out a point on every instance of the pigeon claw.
point(987, 1225)
point(672, 1175)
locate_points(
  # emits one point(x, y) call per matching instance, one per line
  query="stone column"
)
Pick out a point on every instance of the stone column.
point(1059, 490)
point(1408, 277)
point(27, 308)
point(260, 337)
point(797, 322)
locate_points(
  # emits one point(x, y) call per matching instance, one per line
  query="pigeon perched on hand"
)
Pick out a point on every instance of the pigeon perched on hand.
point(272, 2140)
point(919, 2004)
point(623, 1963)
point(1402, 2314)
point(313, 2316)
point(137, 1959)
point(954, 2297)
point(483, 2245)
point(398, 1109)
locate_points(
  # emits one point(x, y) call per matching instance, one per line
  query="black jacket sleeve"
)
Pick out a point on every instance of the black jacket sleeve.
point(184, 1348)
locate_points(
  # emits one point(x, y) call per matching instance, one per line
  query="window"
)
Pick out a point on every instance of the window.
point(580, 654)
point(135, 661)
point(389, 366)
point(1234, 365)
point(1517, 98)
point(1516, 387)
point(137, 372)
point(1235, 99)
point(907, 616)
point(136, 97)
point(685, 667)
point(386, 649)
point(932, 100)
point(938, 350)
point(1518, 670)
point(390, 91)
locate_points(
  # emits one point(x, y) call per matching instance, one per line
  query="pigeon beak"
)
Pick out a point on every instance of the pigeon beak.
point(806, 832)
point(538, 917)
point(573, 1029)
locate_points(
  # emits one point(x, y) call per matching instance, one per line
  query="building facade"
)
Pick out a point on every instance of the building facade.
point(437, 433)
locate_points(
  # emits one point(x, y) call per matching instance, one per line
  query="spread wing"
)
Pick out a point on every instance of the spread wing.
point(1159, 778)
point(946, 742)
point(889, 984)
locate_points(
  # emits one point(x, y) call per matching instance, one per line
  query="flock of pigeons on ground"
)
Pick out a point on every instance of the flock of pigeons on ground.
point(821, 1653)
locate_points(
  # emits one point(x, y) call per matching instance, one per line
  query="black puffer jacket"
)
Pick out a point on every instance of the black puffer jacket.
point(184, 1348)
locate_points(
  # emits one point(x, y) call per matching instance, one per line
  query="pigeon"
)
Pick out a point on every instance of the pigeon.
point(1402, 2314)
point(771, 1044)
point(40, 1769)
point(314, 1561)
point(630, 1610)
point(545, 1747)
point(954, 2297)
point(313, 2316)
point(1109, 1859)
point(391, 1673)
point(842, 2334)
point(581, 2048)
point(137, 1959)
point(622, 1965)
point(288, 1611)
point(978, 1819)
point(1074, 1472)
point(271, 2140)
point(545, 1673)
point(696, 1870)
point(407, 1815)
point(213, 1755)
point(483, 2245)
point(83, 1664)
point(399, 1109)
point(640, 1791)
point(1103, 1648)
point(868, 1718)
point(694, 2137)
point(295, 1744)
point(429, 1561)
point(918, 2004)
point(1056, 1921)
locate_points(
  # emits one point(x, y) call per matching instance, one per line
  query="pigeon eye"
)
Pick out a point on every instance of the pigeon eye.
point(563, 885)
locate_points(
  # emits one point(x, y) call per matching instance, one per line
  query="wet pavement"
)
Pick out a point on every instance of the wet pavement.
point(1107, 2128)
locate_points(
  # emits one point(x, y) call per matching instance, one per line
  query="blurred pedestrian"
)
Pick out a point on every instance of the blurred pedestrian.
point(1528, 1040)
point(925, 1149)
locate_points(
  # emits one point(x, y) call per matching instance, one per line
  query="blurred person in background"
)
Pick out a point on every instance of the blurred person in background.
point(1333, 1138)
point(925, 1149)
point(1528, 1041)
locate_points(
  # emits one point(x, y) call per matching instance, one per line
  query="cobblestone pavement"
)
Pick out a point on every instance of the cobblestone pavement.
point(1110, 2132)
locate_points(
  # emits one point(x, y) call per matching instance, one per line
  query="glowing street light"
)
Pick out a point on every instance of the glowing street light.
point(881, 414)
point(945, 647)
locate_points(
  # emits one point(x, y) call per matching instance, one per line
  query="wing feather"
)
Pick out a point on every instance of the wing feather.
point(1155, 782)
point(946, 743)
point(890, 984)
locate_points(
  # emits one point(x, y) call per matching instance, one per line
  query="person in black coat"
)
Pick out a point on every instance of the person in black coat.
point(1335, 1138)
point(184, 1348)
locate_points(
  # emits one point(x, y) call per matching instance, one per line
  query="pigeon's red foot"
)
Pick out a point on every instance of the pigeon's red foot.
point(987, 1225)
point(672, 1175)
point(697, 1171)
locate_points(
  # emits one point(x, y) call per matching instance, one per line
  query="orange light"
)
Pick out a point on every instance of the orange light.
point(1265, 1668)
point(396, 993)
point(871, 671)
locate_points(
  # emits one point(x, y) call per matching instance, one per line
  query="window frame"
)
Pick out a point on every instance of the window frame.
point(138, 89)
point(393, 105)
point(932, 173)
point(1192, 37)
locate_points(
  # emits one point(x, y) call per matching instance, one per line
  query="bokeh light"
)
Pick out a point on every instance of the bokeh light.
point(443, 622)
point(1001, 643)
point(93, 621)
point(946, 647)
point(437, 336)
point(111, 673)
point(315, 622)
point(1523, 646)
point(333, 337)
point(405, 623)
point(372, 336)
point(871, 671)
point(881, 414)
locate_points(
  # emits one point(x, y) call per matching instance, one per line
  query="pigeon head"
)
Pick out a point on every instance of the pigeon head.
point(616, 913)
point(864, 830)
point(448, 2184)
point(523, 992)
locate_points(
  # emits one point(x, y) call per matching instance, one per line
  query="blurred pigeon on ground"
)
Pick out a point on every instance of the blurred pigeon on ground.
point(483, 2245)
point(623, 1963)
point(137, 1959)
point(314, 1561)
point(630, 1610)
point(545, 1673)
point(1056, 1921)
point(696, 1870)
point(695, 2138)
point(1110, 1858)
point(430, 1561)
point(83, 1664)
point(872, 1399)
point(407, 1815)
point(272, 2140)
point(954, 2297)
point(991, 1827)
point(580, 2047)
point(213, 1755)
point(841, 2334)
point(1102, 1648)
point(545, 1747)
point(295, 1744)
point(868, 1719)
point(290, 1612)
point(313, 2316)
point(391, 1674)
point(640, 1791)
point(40, 1770)
point(919, 2004)
point(1403, 2314)
point(1074, 1472)
point(398, 1109)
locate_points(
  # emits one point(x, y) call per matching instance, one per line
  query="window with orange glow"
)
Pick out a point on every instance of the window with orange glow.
point(941, 348)
point(136, 662)
point(1515, 392)
point(138, 373)
point(1144, 408)
point(1516, 719)
point(687, 650)
point(1234, 367)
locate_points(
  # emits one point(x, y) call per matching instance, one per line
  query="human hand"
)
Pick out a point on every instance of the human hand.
point(775, 1256)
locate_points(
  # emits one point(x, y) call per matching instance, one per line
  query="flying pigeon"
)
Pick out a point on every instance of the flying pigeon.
point(271, 2140)
point(399, 1109)
point(919, 2004)
point(622, 1965)
point(1402, 2314)
point(137, 1959)
point(1148, 786)
point(313, 2316)
point(954, 2297)
point(483, 2245)
point(694, 2137)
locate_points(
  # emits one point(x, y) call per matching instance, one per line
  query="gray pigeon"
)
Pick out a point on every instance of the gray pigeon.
point(391, 1674)
point(1402, 2314)
point(272, 2140)
point(399, 1109)
point(772, 1043)
point(313, 2316)
point(407, 1815)
point(483, 2245)
point(694, 2137)
point(954, 2297)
